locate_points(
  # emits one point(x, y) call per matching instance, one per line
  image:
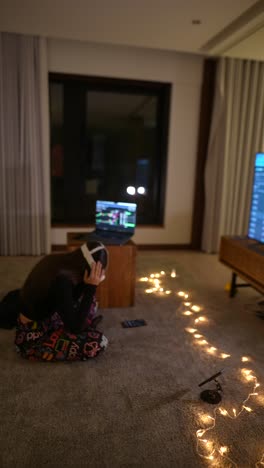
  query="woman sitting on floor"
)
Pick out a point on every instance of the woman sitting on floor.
point(58, 306)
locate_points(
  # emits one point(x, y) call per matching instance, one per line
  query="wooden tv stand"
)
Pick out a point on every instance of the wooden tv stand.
point(118, 288)
point(245, 257)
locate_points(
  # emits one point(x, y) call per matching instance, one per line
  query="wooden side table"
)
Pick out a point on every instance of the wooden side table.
point(118, 288)
point(245, 257)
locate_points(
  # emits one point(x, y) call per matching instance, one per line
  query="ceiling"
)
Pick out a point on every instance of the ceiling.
point(211, 27)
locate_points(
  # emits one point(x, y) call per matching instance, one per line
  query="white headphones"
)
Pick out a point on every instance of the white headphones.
point(88, 255)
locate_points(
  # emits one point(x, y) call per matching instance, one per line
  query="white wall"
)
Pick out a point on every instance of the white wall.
point(185, 73)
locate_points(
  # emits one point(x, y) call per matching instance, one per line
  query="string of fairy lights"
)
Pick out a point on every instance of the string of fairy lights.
point(206, 447)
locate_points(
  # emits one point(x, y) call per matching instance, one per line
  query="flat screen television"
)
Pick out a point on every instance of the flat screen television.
point(256, 215)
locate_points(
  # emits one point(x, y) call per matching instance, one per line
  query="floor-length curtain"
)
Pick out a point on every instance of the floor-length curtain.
point(24, 148)
point(237, 133)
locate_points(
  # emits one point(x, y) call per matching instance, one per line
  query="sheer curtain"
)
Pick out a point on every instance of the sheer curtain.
point(237, 133)
point(24, 147)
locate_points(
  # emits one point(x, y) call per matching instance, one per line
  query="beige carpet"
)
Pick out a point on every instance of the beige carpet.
point(138, 404)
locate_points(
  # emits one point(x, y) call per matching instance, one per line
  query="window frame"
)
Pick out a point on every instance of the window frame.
point(128, 86)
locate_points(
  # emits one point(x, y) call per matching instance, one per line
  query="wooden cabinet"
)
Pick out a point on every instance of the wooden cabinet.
point(245, 257)
point(118, 288)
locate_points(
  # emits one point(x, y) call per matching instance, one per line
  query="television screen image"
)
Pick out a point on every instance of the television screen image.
point(256, 216)
point(116, 216)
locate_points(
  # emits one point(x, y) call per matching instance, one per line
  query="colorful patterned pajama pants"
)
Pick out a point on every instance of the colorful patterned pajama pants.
point(48, 340)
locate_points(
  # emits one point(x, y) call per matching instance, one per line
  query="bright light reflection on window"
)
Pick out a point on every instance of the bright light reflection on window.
point(141, 190)
point(131, 190)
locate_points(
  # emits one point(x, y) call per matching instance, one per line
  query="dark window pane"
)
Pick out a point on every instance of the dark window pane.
point(108, 142)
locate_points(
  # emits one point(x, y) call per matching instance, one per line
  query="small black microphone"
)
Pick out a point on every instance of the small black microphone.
point(211, 378)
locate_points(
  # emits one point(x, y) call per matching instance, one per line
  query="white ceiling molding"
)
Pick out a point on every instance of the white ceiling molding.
point(245, 26)
point(204, 27)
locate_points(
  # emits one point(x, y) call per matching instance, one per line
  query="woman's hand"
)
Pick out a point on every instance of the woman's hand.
point(96, 275)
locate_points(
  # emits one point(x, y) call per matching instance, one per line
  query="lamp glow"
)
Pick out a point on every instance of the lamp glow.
point(141, 190)
point(131, 190)
point(225, 356)
point(181, 293)
point(245, 359)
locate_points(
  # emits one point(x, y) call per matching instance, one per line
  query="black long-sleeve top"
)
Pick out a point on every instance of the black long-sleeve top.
point(56, 285)
point(72, 302)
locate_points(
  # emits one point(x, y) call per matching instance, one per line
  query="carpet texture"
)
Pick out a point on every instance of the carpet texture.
point(138, 405)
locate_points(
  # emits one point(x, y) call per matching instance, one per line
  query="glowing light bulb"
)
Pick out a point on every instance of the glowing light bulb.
point(144, 279)
point(200, 319)
point(202, 342)
point(162, 272)
point(196, 308)
point(225, 356)
point(187, 312)
point(247, 409)
point(168, 291)
point(211, 350)
point(157, 275)
point(131, 190)
point(141, 190)
point(148, 291)
point(197, 335)
point(250, 377)
point(186, 296)
point(234, 411)
point(181, 293)
point(191, 330)
point(205, 417)
point(152, 275)
point(245, 359)
point(187, 304)
point(161, 289)
point(173, 273)
point(223, 411)
point(223, 450)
